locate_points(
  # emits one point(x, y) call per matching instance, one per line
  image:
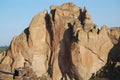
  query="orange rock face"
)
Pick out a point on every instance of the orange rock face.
point(64, 44)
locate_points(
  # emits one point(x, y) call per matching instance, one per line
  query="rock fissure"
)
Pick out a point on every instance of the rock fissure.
point(95, 54)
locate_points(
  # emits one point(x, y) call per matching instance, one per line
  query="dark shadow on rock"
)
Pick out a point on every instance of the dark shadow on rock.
point(26, 31)
point(64, 58)
point(111, 70)
point(49, 29)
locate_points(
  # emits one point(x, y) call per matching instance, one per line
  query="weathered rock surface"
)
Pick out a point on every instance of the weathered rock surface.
point(62, 45)
point(2, 55)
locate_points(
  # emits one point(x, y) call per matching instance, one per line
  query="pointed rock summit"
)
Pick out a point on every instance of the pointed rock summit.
point(61, 45)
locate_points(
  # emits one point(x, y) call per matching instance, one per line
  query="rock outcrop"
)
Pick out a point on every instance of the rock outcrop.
point(64, 44)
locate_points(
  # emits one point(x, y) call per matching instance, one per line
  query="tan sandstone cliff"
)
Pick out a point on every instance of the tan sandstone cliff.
point(61, 45)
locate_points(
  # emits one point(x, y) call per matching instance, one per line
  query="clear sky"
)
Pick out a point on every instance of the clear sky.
point(15, 15)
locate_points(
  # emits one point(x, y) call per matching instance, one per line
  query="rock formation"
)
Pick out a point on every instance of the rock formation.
point(61, 45)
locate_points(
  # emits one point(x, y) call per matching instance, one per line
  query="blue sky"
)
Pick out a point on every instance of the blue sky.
point(15, 15)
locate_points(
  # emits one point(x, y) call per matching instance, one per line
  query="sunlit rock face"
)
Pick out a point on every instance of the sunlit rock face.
point(62, 44)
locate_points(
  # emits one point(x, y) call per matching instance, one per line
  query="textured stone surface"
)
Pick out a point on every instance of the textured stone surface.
point(25, 74)
point(64, 44)
point(2, 55)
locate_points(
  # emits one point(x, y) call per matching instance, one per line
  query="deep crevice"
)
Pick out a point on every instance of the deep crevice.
point(27, 33)
point(49, 29)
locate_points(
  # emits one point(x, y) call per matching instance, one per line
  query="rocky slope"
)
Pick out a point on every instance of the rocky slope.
point(62, 45)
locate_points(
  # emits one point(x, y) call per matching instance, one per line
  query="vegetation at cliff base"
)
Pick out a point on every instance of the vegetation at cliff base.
point(3, 48)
